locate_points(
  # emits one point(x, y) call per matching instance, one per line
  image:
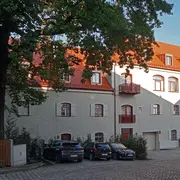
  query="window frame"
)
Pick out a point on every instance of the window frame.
point(176, 84)
point(126, 106)
point(100, 78)
point(101, 114)
point(99, 135)
point(176, 110)
point(156, 111)
point(171, 59)
point(125, 75)
point(27, 108)
point(173, 135)
point(70, 109)
point(162, 84)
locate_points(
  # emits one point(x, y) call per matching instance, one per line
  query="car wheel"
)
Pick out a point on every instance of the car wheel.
point(91, 157)
point(115, 156)
point(80, 160)
point(58, 158)
point(108, 159)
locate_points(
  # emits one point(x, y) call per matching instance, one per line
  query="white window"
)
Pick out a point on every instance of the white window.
point(158, 83)
point(173, 135)
point(173, 84)
point(169, 60)
point(66, 109)
point(156, 109)
point(66, 78)
point(99, 137)
point(96, 78)
point(176, 110)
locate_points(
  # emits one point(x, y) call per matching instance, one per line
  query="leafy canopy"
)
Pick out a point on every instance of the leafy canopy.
point(96, 28)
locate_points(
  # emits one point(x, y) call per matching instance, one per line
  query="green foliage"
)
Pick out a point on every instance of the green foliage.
point(138, 144)
point(83, 141)
point(117, 139)
point(11, 130)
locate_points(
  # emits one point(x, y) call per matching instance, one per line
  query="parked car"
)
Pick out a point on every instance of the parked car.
point(95, 150)
point(64, 150)
point(119, 151)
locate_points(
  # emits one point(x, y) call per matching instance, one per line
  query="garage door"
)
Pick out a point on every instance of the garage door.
point(151, 140)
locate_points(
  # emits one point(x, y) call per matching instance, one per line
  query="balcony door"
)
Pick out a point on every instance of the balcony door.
point(127, 78)
point(126, 110)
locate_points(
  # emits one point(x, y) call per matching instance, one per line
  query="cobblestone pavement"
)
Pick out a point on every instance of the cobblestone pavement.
point(156, 169)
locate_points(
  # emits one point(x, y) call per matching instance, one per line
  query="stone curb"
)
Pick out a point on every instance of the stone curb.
point(22, 168)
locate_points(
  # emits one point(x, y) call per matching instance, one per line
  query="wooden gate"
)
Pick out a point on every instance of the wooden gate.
point(5, 153)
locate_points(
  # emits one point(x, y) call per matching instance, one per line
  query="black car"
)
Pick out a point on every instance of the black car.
point(95, 150)
point(119, 151)
point(64, 150)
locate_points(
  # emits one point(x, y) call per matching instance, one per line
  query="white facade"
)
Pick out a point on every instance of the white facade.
point(156, 128)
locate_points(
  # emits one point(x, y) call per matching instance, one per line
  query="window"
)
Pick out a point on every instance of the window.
point(96, 78)
point(173, 135)
point(66, 77)
point(126, 110)
point(156, 109)
point(98, 110)
point(168, 60)
point(66, 109)
point(158, 83)
point(172, 84)
point(99, 137)
point(176, 110)
point(66, 136)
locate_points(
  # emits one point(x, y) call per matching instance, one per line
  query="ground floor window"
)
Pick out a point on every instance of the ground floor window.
point(173, 135)
point(99, 137)
point(66, 136)
point(126, 133)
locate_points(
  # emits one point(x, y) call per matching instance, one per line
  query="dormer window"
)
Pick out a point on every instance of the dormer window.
point(96, 78)
point(169, 59)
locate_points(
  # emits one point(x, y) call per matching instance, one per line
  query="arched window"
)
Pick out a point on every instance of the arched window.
point(65, 109)
point(66, 136)
point(99, 137)
point(173, 135)
point(126, 110)
point(99, 110)
point(156, 109)
point(127, 78)
point(173, 84)
point(158, 83)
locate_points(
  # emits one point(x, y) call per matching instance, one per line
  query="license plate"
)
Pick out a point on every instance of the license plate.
point(73, 155)
point(104, 154)
point(130, 155)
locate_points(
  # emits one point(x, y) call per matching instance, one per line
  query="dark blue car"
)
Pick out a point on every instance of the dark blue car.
point(119, 151)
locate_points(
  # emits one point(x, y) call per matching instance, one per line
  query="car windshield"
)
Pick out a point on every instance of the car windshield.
point(102, 145)
point(71, 144)
point(117, 146)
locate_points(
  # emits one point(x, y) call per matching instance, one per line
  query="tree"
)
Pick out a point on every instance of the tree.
point(96, 28)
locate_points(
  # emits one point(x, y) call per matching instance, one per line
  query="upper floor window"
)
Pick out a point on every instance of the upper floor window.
point(173, 135)
point(66, 109)
point(126, 110)
point(176, 110)
point(96, 78)
point(127, 78)
point(172, 84)
point(24, 110)
point(66, 77)
point(98, 110)
point(158, 83)
point(155, 109)
point(169, 60)
point(99, 137)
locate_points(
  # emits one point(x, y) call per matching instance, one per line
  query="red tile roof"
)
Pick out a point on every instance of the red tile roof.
point(162, 49)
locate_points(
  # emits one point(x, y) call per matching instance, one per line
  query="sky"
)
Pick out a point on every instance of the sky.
point(170, 30)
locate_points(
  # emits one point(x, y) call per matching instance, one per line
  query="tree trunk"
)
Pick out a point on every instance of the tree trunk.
point(4, 37)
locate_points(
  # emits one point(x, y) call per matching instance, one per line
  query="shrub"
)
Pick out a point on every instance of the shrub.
point(138, 144)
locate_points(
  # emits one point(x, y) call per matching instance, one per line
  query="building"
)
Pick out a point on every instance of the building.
point(145, 104)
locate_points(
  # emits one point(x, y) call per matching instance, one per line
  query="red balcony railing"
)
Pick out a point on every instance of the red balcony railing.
point(127, 118)
point(129, 88)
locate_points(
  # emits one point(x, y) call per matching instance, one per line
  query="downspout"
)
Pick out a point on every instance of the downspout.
point(114, 100)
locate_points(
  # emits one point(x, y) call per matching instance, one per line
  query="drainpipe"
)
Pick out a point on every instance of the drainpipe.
point(114, 100)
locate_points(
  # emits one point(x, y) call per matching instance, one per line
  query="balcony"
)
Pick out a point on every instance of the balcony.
point(129, 88)
point(127, 118)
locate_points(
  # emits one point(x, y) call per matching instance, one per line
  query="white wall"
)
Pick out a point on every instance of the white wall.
point(145, 121)
point(43, 121)
point(19, 155)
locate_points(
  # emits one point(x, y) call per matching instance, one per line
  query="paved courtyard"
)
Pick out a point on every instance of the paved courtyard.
point(164, 165)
